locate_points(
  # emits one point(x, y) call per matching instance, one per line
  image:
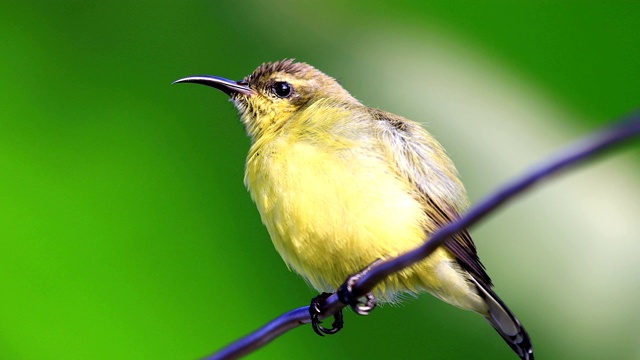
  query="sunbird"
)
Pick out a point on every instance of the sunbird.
point(340, 185)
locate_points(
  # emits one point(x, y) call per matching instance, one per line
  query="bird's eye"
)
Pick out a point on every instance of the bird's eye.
point(282, 89)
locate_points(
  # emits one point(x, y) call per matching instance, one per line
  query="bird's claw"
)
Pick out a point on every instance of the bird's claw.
point(359, 305)
point(315, 311)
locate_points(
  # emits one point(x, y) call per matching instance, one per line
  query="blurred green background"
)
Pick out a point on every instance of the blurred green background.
point(126, 231)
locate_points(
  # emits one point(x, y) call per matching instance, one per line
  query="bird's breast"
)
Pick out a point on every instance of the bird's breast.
point(331, 211)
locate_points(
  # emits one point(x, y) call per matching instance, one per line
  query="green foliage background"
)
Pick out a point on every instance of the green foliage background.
point(125, 229)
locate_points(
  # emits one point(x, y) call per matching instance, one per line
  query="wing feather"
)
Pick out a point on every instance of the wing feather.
point(422, 161)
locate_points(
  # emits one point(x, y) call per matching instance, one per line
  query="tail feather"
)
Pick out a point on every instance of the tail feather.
point(505, 323)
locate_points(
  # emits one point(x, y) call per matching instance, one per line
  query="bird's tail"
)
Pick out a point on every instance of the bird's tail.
point(505, 323)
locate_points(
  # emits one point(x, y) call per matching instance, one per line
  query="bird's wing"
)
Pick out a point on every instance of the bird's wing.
point(421, 160)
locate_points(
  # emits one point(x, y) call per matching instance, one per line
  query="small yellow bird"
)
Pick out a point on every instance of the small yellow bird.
point(340, 185)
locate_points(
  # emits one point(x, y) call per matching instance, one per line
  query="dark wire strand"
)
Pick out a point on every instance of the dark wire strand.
point(572, 155)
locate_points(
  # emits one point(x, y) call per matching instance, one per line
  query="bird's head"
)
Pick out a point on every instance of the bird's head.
point(274, 92)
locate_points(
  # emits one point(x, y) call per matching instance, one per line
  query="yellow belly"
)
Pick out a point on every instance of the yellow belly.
point(330, 214)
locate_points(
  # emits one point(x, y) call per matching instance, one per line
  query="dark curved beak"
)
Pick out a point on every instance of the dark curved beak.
point(227, 86)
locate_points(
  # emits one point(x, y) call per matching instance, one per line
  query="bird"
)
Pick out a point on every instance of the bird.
point(340, 185)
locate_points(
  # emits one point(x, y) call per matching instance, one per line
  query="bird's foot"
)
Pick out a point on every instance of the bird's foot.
point(360, 305)
point(363, 305)
point(315, 311)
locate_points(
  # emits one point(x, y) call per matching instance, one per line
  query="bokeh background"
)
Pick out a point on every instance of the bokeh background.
point(126, 231)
